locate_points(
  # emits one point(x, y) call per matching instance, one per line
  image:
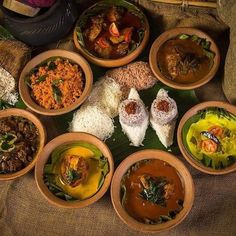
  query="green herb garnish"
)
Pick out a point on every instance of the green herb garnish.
point(155, 191)
point(41, 79)
point(57, 94)
point(52, 65)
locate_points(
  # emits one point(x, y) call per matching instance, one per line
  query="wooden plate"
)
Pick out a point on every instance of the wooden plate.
point(183, 174)
point(45, 154)
point(170, 34)
point(193, 111)
point(42, 137)
point(72, 56)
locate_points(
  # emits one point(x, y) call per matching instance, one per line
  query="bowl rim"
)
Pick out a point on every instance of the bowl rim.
point(60, 53)
point(119, 61)
point(183, 173)
point(190, 113)
point(42, 135)
point(45, 154)
point(169, 34)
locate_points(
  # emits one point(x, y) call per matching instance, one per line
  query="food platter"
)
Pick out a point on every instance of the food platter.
point(119, 143)
point(129, 123)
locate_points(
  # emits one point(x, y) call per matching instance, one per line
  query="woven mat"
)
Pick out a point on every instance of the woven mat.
point(24, 211)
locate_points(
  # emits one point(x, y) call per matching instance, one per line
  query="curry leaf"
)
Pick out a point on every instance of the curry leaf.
point(41, 79)
point(52, 65)
point(57, 94)
point(184, 36)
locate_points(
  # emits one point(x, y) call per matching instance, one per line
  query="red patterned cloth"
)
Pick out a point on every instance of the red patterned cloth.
point(38, 3)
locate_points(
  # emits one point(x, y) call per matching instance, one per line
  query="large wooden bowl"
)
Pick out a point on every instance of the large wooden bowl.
point(42, 137)
point(114, 62)
point(193, 111)
point(65, 139)
point(72, 56)
point(173, 33)
point(183, 174)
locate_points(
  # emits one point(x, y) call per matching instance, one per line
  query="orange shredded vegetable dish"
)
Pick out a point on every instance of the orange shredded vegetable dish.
point(57, 84)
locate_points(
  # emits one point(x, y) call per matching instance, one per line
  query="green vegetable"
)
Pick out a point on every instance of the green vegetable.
point(155, 192)
point(184, 36)
point(6, 147)
point(5, 34)
point(7, 142)
point(73, 175)
point(205, 44)
point(41, 79)
point(56, 82)
point(57, 94)
point(4, 105)
point(52, 65)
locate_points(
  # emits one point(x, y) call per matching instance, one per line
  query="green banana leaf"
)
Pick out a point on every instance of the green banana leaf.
point(119, 143)
point(5, 34)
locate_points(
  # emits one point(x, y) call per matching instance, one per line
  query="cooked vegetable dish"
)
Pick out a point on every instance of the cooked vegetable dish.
point(19, 142)
point(109, 31)
point(75, 171)
point(185, 59)
point(56, 83)
point(152, 191)
point(210, 137)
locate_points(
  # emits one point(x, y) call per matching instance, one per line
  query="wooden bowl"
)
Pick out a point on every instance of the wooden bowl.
point(114, 62)
point(42, 136)
point(193, 111)
point(183, 174)
point(170, 34)
point(65, 139)
point(74, 57)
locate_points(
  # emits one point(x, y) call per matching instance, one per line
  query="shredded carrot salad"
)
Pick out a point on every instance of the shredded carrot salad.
point(57, 84)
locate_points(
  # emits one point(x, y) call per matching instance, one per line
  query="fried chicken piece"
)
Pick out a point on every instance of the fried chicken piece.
point(95, 29)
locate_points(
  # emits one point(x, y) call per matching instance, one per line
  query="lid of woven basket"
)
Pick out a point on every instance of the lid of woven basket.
point(187, 3)
point(13, 54)
point(21, 8)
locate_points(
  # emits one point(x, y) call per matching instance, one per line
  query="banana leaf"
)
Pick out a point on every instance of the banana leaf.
point(4, 34)
point(119, 143)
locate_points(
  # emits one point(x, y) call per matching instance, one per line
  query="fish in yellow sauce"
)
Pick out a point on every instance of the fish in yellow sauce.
point(78, 170)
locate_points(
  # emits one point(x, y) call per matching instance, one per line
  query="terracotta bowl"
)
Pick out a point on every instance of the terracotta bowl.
point(42, 135)
point(45, 154)
point(183, 174)
point(193, 111)
point(114, 62)
point(170, 34)
point(72, 56)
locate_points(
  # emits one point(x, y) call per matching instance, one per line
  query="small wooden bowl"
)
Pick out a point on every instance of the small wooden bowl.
point(183, 174)
point(42, 136)
point(72, 56)
point(170, 34)
point(114, 62)
point(193, 111)
point(65, 139)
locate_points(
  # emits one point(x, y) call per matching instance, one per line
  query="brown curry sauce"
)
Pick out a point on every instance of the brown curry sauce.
point(183, 61)
point(142, 209)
